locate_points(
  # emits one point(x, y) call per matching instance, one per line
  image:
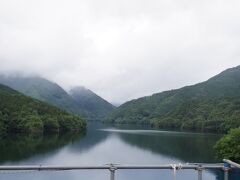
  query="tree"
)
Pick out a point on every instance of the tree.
point(228, 147)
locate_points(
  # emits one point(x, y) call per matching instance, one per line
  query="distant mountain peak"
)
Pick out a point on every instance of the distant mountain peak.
point(91, 102)
point(43, 90)
point(80, 89)
point(79, 100)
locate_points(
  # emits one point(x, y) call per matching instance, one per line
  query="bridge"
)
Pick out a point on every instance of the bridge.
point(226, 166)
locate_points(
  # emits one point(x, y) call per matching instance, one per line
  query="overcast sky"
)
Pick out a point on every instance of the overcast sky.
point(121, 49)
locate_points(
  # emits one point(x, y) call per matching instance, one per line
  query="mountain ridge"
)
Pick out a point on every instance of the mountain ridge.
point(191, 107)
point(51, 93)
point(43, 90)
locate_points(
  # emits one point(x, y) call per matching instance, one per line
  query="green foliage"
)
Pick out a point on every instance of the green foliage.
point(228, 147)
point(213, 105)
point(51, 123)
point(3, 129)
point(19, 113)
point(70, 123)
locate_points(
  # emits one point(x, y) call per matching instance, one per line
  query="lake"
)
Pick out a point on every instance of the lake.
point(103, 144)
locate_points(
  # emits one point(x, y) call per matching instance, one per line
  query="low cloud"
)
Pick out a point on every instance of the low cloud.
point(120, 49)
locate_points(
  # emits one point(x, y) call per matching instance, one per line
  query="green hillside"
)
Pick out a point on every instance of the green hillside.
point(19, 113)
point(43, 90)
point(81, 102)
point(213, 105)
point(96, 107)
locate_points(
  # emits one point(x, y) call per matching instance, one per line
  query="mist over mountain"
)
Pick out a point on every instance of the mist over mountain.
point(42, 89)
point(95, 106)
point(210, 105)
point(50, 92)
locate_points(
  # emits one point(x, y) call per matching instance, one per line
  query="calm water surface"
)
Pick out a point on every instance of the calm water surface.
point(102, 145)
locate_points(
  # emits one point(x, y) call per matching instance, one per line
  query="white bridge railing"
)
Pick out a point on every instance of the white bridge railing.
point(199, 167)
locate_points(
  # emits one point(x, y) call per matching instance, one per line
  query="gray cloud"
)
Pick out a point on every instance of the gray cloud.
point(120, 49)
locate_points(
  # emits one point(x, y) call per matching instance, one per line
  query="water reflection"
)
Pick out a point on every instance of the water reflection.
point(188, 147)
point(103, 144)
point(17, 148)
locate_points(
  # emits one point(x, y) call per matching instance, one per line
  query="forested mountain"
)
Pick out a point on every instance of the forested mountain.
point(212, 105)
point(95, 106)
point(43, 90)
point(81, 102)
point(19, 113)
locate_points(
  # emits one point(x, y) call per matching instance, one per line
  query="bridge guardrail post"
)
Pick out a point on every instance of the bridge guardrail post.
point(200, 172)
point(226, 169)
point(112, 170)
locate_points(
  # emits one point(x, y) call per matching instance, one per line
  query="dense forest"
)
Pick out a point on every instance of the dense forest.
point(79, 101)
point(213, 105)
point(19, 113)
